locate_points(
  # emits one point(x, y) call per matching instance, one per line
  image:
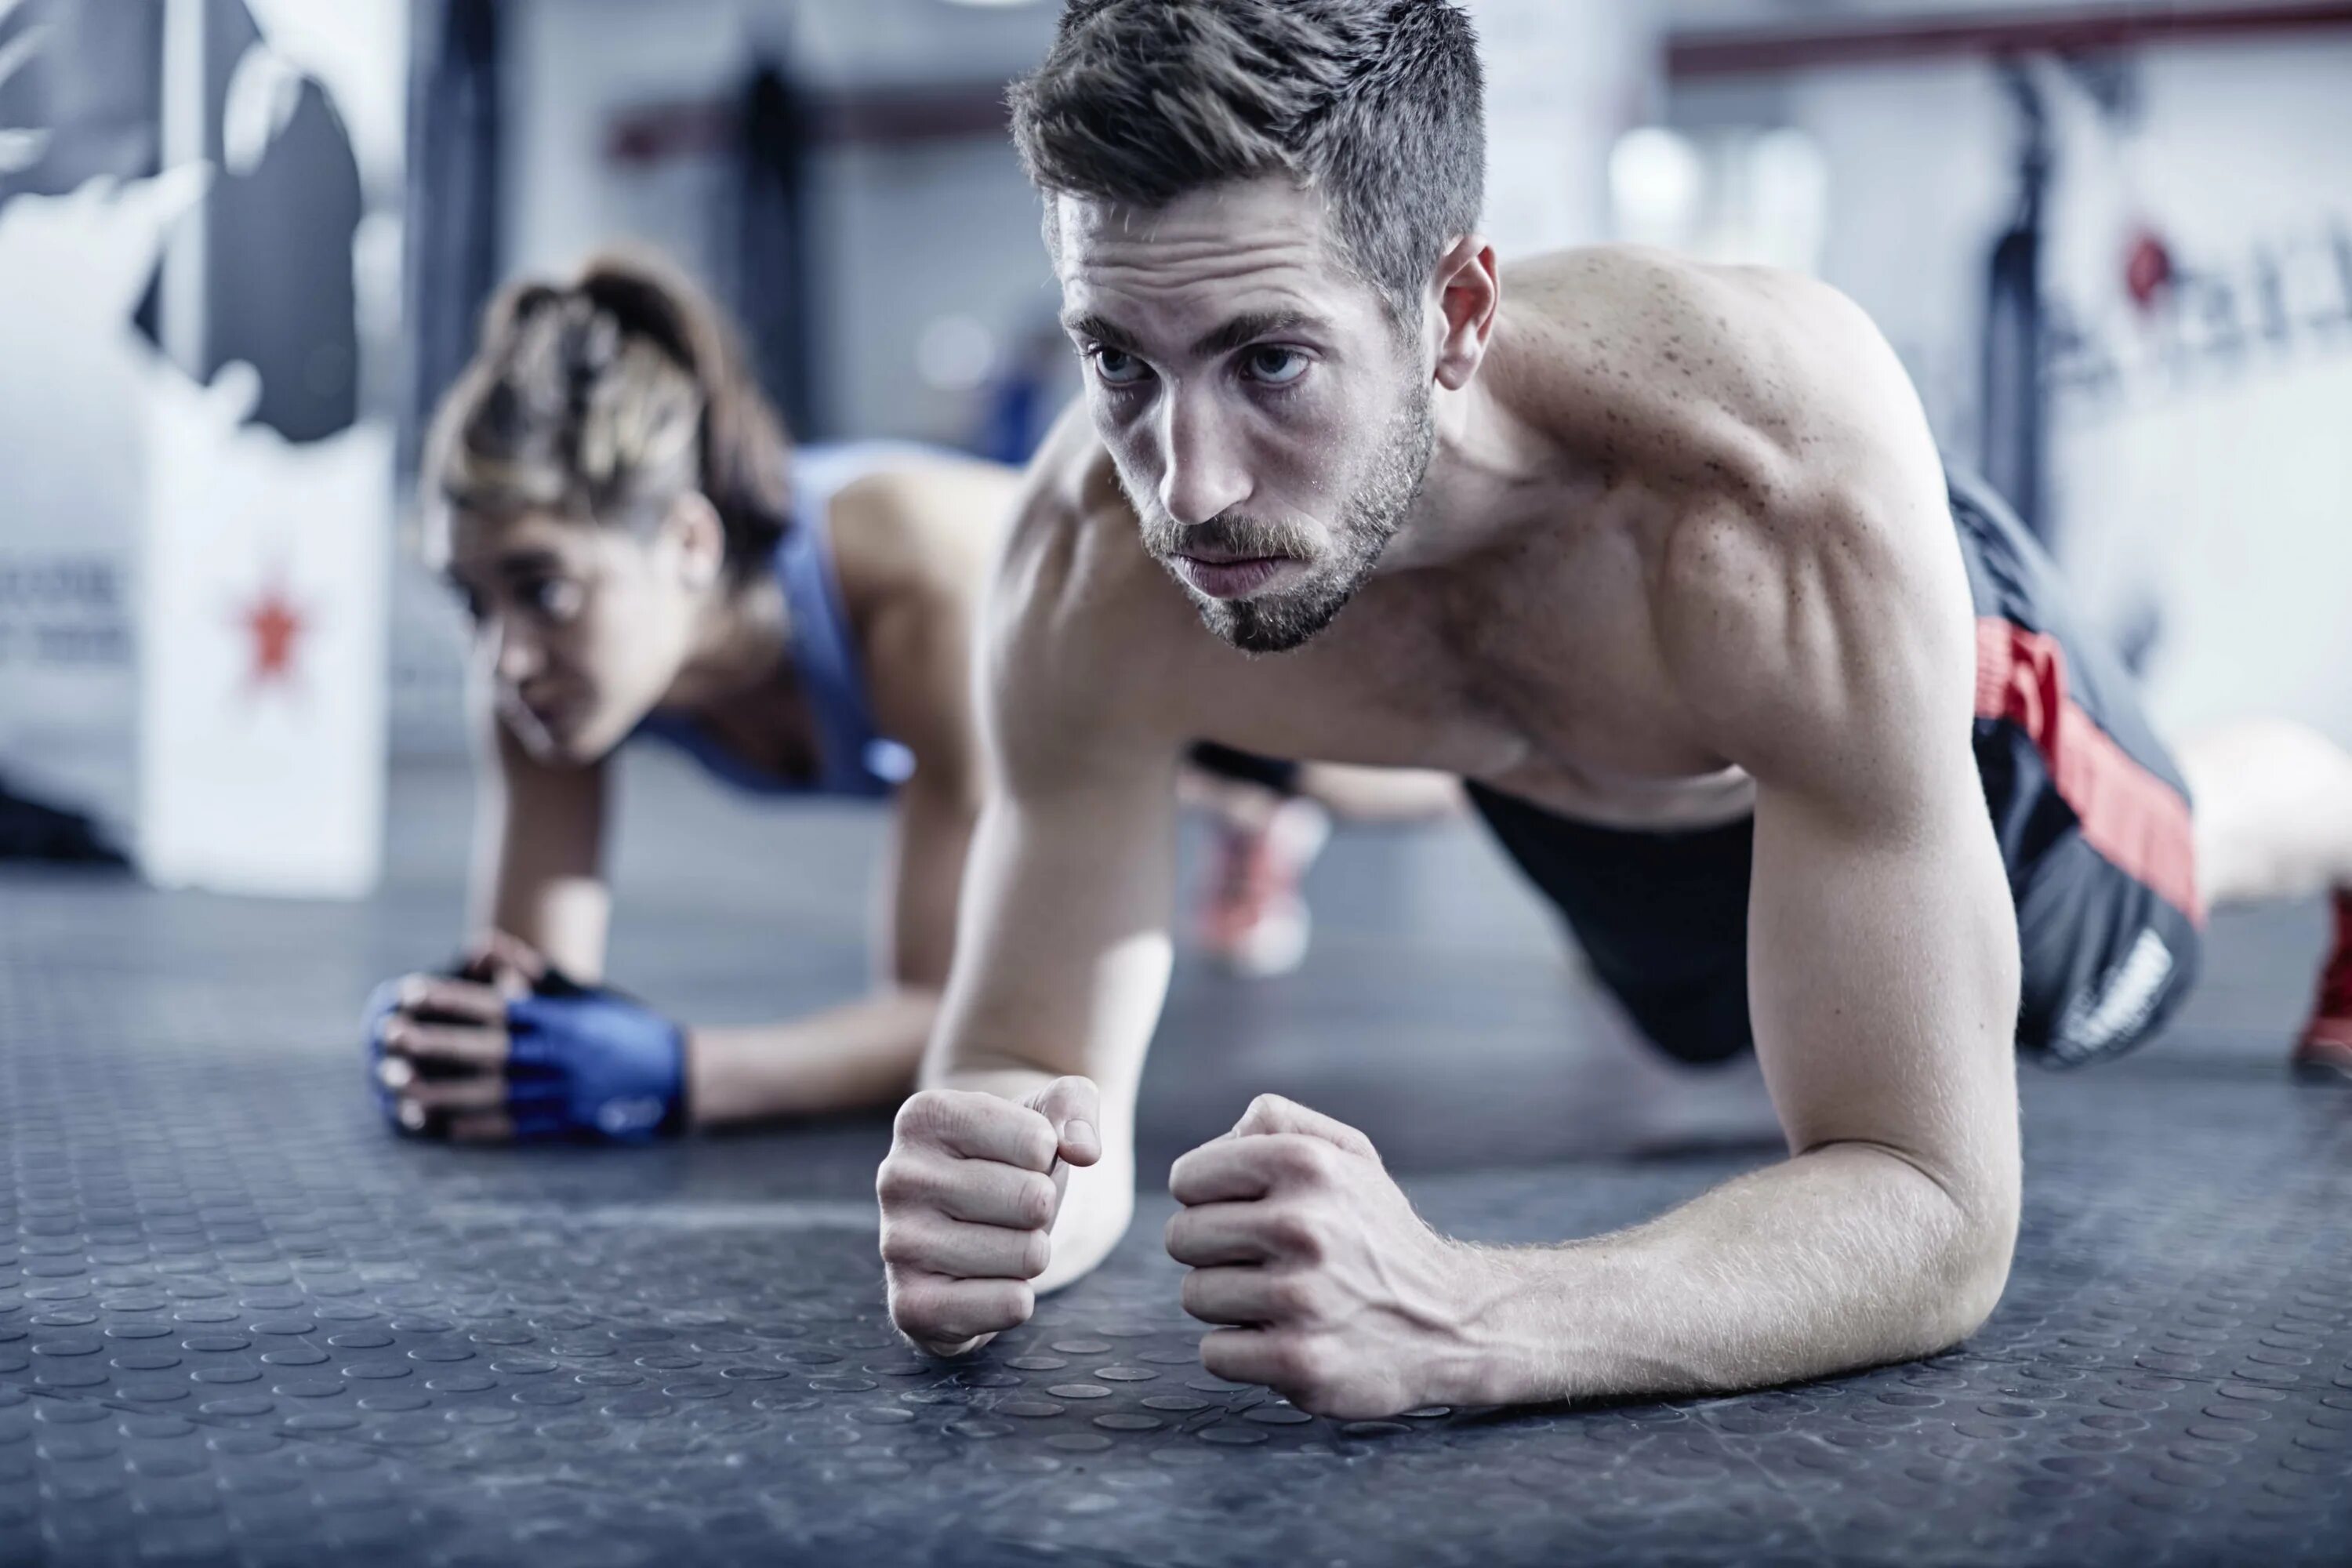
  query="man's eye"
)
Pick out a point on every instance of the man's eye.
point(1276, 367)
point(1117, 368)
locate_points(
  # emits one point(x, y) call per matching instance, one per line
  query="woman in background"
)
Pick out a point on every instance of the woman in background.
point(641, 554)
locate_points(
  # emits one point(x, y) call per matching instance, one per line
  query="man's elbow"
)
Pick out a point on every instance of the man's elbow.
point(1971, 1263)
point(1962, 1218)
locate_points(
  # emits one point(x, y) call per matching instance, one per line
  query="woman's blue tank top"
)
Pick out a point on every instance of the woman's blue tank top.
point(854, 757)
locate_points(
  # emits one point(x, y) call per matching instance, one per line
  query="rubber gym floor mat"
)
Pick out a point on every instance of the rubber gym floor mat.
point(241, 1323)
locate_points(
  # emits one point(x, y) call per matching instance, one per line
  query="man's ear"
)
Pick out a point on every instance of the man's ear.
point(699, 539)
point(1464, 293)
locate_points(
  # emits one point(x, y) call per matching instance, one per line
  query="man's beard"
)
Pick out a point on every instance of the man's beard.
point(1278, 623)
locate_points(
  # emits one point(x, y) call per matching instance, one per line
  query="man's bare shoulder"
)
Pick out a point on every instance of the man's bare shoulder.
point(1804, 578)
point(1682, 373)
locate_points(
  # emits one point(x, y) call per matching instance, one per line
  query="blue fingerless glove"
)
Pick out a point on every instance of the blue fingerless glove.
point(583, 1061)
point(586, 1061)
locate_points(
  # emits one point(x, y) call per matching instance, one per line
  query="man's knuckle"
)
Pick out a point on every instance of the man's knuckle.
point(1036, 1146)
point(919, 1115)
point(1294, 1233)
point(1302, 1366)
point(945, 1115)
point(1009, 1305)
point(1037, 1201)
point(1298, 1160)
point(902, 1245)
point(1184, 1182)
point(1282, 1361)
point(893, 1183)
point(1037, 1252)
point(1292, 1297)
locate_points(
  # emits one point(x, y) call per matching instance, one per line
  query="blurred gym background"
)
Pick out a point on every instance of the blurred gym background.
point(243, 244)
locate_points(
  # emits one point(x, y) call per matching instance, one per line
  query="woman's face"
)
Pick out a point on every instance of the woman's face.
point(579, 629)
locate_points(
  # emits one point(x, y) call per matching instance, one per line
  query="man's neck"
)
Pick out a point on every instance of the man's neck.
point(1494, 472)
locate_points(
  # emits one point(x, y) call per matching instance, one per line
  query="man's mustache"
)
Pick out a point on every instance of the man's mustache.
point(1227, 536)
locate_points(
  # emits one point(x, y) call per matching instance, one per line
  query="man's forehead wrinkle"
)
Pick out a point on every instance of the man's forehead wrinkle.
point(1179, 235)
point(1283, 273)
point(1286, 270)
point(1186, 248)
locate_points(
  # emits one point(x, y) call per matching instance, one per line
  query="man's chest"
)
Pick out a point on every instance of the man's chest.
point(1522, 677)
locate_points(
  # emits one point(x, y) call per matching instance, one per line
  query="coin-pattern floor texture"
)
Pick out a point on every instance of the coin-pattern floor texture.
point(242, 1324)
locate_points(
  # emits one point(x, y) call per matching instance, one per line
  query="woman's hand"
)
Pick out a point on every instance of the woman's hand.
point(508, 1049)
point(437, 1053)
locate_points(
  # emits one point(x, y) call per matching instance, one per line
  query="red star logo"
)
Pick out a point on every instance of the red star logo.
point(275, 624)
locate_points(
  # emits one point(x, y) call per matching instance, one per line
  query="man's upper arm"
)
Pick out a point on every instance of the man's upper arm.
point(923, 643)
point(1828, 650)
point(1063, 950)
point(931, 838)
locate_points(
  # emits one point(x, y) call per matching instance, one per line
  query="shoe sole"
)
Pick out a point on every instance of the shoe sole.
point(2324, 1060)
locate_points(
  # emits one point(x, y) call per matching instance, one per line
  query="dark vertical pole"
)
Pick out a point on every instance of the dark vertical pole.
point(774, 284)
point(2015, 411)
point(453, 224)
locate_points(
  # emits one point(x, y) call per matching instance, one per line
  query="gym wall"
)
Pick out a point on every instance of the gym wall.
point(2197, 477)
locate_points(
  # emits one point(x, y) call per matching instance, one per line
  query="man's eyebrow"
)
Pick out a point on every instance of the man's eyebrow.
point(1244, 330)
point(1102, 330)
point(1241, 331)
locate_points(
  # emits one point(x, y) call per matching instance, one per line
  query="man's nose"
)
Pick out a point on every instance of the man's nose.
point(1201, 475)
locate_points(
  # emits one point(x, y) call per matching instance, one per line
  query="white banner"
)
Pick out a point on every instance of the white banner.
point(192, 608)
point(262, 680)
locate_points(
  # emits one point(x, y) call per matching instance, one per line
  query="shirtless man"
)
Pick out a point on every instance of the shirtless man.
point(1662, 558)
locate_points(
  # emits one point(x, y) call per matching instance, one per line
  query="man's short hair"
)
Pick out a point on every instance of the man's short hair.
point(1377, 104)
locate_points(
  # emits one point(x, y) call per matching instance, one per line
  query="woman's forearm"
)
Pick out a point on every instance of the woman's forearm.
point(849, 1057)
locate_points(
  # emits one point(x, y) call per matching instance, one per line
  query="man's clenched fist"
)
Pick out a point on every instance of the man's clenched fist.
point(969, 1194)
point(1340, 1296)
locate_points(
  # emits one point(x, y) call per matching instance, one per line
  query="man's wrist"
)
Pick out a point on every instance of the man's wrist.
point(1514, 1342)
point(1015, 1084)
point(1097, 1208)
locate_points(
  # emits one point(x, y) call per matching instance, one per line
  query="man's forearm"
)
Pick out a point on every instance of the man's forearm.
point(1845, 1257)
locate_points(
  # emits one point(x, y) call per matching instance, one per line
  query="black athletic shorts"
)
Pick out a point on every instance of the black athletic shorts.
point(1277, 774)
point(2091, 812)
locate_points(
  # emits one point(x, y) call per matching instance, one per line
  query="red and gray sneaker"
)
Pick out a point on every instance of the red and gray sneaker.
point(2325, 1048)
point(1254, 917)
